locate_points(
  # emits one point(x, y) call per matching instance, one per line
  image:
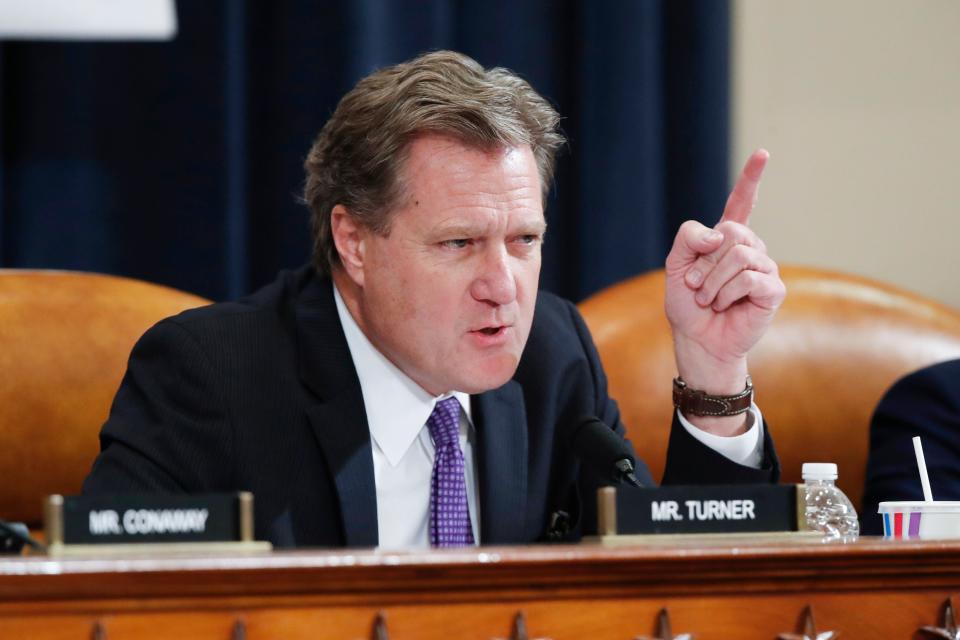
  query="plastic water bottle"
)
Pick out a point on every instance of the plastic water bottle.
point(827, 509)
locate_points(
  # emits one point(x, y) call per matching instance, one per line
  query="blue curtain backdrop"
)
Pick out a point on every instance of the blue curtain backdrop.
point(180, 162)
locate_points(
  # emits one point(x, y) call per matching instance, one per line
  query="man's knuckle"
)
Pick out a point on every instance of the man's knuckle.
point(742, 254)
point(781, 289)
point(738, 233)
point(729, 227)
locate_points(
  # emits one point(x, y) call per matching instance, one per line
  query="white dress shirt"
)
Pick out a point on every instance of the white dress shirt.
point(397, 410)
point(745, 449)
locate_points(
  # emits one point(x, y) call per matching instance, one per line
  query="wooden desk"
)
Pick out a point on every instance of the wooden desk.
point(729, 589)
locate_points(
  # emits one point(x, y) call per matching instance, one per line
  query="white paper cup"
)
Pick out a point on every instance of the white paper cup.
point(917, 519)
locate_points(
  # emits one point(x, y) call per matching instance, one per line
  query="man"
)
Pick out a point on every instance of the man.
point(411, 388)
point(925, 403)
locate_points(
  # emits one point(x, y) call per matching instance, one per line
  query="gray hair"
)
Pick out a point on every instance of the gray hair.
point(357, 158)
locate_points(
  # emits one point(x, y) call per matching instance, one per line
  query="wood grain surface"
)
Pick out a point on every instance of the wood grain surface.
point(721, 588)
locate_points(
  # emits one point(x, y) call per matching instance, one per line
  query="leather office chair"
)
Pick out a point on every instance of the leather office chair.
point(836, 345)
point(64, 342)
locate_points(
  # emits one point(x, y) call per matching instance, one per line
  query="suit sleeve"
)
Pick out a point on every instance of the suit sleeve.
point(167, 430)
point(689, 461)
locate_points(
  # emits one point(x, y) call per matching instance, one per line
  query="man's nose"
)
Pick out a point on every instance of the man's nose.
point(495, 283)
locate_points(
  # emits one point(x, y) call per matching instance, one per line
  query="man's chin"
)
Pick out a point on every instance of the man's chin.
point(488, 374)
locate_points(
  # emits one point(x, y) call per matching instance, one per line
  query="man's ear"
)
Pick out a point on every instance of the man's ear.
point(348, 236)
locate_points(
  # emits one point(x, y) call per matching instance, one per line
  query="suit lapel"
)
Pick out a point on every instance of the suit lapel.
point(339, 420)
point(501, 425)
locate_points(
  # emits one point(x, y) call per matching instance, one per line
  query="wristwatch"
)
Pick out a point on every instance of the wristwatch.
point(699, 403)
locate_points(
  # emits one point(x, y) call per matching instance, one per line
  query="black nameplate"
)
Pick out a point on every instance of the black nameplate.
point(706, 509)
point(113, 519)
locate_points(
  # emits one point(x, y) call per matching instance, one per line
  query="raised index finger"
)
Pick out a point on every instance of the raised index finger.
point(744, 194)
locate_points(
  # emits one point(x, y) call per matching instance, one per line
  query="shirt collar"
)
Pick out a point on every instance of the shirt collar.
point(397, 407)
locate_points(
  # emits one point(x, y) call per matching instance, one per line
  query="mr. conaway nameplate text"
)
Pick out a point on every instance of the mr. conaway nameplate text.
point(145, 522)
point(149, 518)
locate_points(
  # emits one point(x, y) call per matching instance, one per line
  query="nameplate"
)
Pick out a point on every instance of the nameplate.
point(149, 518)
point(697, 509)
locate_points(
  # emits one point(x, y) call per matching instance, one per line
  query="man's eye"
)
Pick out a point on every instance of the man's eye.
point(528, 239)
point(457, 243)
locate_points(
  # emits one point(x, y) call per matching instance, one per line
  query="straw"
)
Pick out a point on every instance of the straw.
point(922, 465)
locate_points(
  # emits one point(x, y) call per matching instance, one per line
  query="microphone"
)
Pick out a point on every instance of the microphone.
point(599, 447)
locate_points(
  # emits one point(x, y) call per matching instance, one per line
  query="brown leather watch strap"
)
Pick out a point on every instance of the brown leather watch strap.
point(699, 403)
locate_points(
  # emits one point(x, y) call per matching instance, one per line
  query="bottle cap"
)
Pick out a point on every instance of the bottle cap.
point(819, 471)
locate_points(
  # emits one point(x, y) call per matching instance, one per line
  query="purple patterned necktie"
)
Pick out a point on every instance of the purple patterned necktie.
point(449, 511)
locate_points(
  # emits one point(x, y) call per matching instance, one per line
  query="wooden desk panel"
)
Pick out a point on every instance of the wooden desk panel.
point(715, 589)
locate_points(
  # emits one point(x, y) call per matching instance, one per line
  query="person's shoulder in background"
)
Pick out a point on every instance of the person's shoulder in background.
point(925, 403)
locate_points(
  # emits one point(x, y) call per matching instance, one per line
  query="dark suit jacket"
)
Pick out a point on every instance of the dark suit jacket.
point(926, 404)
point(262, 395)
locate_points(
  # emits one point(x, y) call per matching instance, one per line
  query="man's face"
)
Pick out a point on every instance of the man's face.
point(448, 295)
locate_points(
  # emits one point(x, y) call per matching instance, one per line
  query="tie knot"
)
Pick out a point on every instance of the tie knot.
point(444, 422)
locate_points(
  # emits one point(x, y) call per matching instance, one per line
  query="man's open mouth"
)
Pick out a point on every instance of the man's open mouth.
point(491, 331)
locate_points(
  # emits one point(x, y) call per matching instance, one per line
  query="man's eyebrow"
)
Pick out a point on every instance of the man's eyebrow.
point(539, 227)
point(459, 228)
point(467, 229)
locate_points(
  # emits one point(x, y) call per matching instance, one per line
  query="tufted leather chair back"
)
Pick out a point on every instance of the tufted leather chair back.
point(837, 344)
point(64, 342)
